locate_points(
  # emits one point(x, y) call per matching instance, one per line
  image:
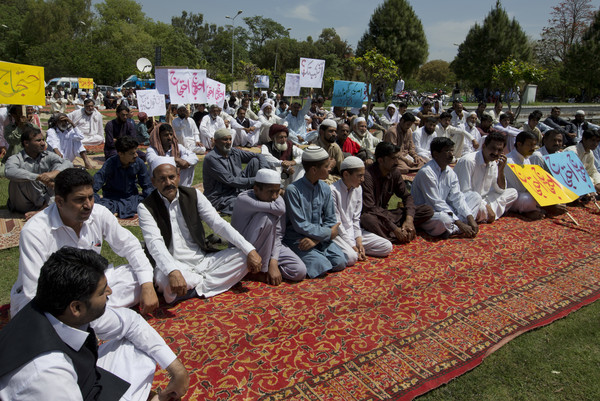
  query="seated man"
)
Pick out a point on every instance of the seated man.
point(222, 172)
point(485, 125)
point(525, 145)
point(31, 173)
point(74, 220)
point(581, 125)
point(423, 136)
point(143, 137)
point(89, 122)
point(209, 125)
point(561, 125)
point(187, 132)
point(163, 142)
point(402, 136)
point(267, 118)
point(283, 154)
point(437, 185)
point(471, 127)
point(64, 138)
point(296, 122)
point(532, 125)
point(311, 225)
point(553, 143)
point(119, 178)
point(508, 131)
point(171, 220)
point(589, 142)
point(348, 146)
point(120, 126)
point(458, 135)
point(362, 136)
point(483, 172)
point(383, 179)
point(348, 200)
point(390, 117)
point(12, 131)
point(259, 215)
point(246, 130)
point(459, 117)
point(50, 349)
point(327, 140)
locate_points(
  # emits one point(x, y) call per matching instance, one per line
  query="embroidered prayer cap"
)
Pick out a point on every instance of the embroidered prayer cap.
point(358, 120)
point(314, 153)
point(351, 162)
point(142, 116)
point(328, 122)
point(222, 133)
point(268, 176)
point(277, 128)
point(580, 113)
point(160, 160)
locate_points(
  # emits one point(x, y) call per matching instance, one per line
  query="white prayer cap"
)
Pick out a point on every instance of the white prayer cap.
point(328, 122)
point(351, 162)
point(358, 120)
point(314, 153)
point(265, 104)
point(471, 114)
point(222, 133)
point(160, 160)
point(307, 118)
point(268, 176)
point(580, 113)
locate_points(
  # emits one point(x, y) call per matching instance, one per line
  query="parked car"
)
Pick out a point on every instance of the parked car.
point(104, 88)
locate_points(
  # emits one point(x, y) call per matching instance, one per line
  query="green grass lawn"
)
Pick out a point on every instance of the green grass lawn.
point(557, 362)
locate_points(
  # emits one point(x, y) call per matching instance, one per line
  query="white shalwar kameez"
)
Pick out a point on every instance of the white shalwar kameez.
point(67, 142)
point(525, 202)
point(422, 141)
point(208, 126)
point(186, 175)
point(90, 125)
point(348, 207)
point(441, 190)
point(458, 135)
point(188, 134)
point(209, 274)
point(475, 175)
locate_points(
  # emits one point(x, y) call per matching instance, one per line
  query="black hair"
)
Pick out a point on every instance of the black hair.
point(445, 114)
point(125, 143)
point(402, 104)
point(307, 165)
point(70, 274)
point(88, 101)
point(122, 107)
point(165, 127)
point(534, 116)
point(550, 133)
point(589, 134)
point(408, 116)
point(384, 149)
point(486, 117)
point(523, 136)
point(494, 137)
point(438, 144)
point(67, 180)
point(29, 132)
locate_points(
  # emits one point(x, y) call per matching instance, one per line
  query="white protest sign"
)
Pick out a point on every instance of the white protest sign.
point(215, 92)
point(162, 80)
point(311, 72)
point(151, 102)
point(292, 85)
point(187, 86)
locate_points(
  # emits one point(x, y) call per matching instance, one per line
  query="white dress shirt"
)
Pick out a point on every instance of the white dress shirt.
point(474, 174)
point(91, 126)
point(348, 208)
point(422, 142)
point(186, 174)
point(68, 142)
point(186, 131)
point(208, 126)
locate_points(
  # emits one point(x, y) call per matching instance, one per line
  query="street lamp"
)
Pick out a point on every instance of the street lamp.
point(233, 36)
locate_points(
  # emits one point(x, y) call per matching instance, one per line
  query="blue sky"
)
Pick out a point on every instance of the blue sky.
point(446, 22)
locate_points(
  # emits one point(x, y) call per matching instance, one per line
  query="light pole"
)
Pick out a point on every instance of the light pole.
point(232, 38)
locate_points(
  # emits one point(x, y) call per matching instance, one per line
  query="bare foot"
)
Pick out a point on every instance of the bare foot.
point(491, 215)
point(534, 215)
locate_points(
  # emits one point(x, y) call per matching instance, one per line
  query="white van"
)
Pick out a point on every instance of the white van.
point(66, 82)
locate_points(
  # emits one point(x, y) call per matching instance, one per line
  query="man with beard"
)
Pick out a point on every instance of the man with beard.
point(436, 185)
point(483, 172)
point(246, 130)
point(297, 123)
point(471, 127)
point(283, 154)
point(209, 125)
point(382, 180)
point(64, 138)
point(552, 143)
point(266, 119)
point(362, 136)
point(187, 132)
point(402, 136)
point(423, 136)
point(581, 125)
point(348, 146)
point(222, 172)
point(458, 135)
point(327, 140)
point(120, 126)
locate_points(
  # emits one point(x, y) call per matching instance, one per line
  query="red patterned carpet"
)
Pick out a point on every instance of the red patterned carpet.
point(386, 329)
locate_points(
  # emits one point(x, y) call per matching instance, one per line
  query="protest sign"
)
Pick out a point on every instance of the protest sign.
point(151, 102)
point(215, 92)
point(292, 85)
point(162, 80)
point(86, 83)
point(311, 72)
point(261, 81)
point(569, 171)
point(187, 86)
point(22, 84)
point(348, 94)
point(542, 186)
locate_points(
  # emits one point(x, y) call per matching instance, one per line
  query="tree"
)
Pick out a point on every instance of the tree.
point(377, 70)
point(489, 44)
point(436, 72)
point(582, 64)
point(397, 33)
point(567, 24)
point(262, 29)
point(511, 73)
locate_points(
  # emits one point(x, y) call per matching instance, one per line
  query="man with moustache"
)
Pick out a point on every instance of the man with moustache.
point(283, 154)
point(423, 136)
point(171, 219)
point(436, 185)
point(222, 173)
point(327, 140)
point(209, 125)
point(402, 136)
point(483, 172)
point(552, 143)
point(246, 130)
point(187, 132)
point(89, 122)
point(348, 146)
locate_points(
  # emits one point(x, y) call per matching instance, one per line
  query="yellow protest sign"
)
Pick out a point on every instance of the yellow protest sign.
point(22, 84)
point(542, 186)
point(86, 83)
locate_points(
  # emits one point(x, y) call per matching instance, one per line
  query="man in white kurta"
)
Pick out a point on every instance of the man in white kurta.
point(74, 220)
point(509, 131)
point(483, 172)
point(458, 135)
point(184, 269)
point(423, 136)
point(347, 198)
point(437, 185)
point(584, 150)
point(296, 122)
point(187, 132)
point(266, 118)
point(361, 135)
point(209, 124)
point(65, 140)
point(89, 122)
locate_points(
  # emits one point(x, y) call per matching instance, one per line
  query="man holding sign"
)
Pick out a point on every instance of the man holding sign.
point(589, 143)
